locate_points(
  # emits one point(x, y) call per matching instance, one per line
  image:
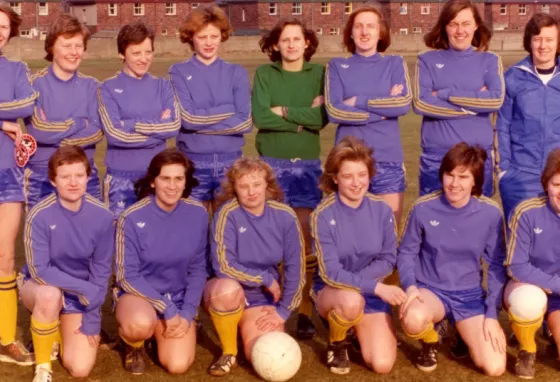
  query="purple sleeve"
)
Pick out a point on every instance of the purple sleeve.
point(294, 268)
point(129, 278)
point(224, 254)
point(241, 122)
point(503, 126)
point(391, 106)
point(193, 118)
point(481, 101)
point(50, 132)
point(330, 269)
point(409, 249)
point(196, 276)
point(337, 111)
point(427, 104)
point(519, 254)
point(494, 256)
point(22, 104)
point(93, 133)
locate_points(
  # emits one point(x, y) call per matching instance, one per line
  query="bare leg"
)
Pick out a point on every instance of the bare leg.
point(79, 354)
point(250, 333)
point(176, 354)
point(378, 342)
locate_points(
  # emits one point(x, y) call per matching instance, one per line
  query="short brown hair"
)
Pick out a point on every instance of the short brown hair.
point(471, 158)
point(15, 19)
point(244, 166)
point(384, 34)
point(348, 149)
point(437, 38)
point(534, 26)
point(143, 186)
point(551, 168)
point(67, 26)
point(67, 155)
point(271, 38)
point(199, 18)
point(133, 34)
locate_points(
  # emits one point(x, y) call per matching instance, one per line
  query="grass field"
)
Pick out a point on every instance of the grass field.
point(108, 366)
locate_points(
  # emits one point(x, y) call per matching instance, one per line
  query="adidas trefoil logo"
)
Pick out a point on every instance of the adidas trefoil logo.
point(52, 226)
point(333, 222)
point(344, 66)
point(120, 204)
point(118, 91)
point(242, 229)
point(537, 230)
point(434, 223)
point(141, 224)
point(439, 66)
point(189, 78)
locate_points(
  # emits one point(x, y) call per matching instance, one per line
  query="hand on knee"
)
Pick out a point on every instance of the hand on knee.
point(414, 321)
point(227, 295)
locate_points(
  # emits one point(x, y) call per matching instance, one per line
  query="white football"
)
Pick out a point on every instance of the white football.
point(276, 357)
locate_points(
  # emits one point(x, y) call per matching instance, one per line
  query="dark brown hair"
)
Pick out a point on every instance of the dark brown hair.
point(471, 158)
point(244, 166)
point(270, 39)
point(133, 34)
point(67, 155)
point(437, 38)
point(384, 34)
point(348, 149)
point(143, 186)
point(534, 26)
point(551, 168)
point(199, 18)
point(67, 26)
point(15, 19)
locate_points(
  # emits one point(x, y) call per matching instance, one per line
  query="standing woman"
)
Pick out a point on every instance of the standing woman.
point(215, 101)
point(288, 113)
point(161, 257)
point(16, 101)
point(68, 240)
point(355, 238)
point(458, 86)
point(66, 111)
point(446, 236)
point(252, 234)
point(527, 124)
point(365, 94)
point(138, 112)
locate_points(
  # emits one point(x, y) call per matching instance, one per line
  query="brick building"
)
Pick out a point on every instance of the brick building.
point(37, 16)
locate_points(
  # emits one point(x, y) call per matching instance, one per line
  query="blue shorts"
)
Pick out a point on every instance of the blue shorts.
point(553, 303)
point(257, 297)
point(373, 303)
point(429, 173)
point(299, 180)
point(11, 185)
point(390, 178)
point(176, 298)
point(460, 305)
point(210, 170)
point(516, 186)
point(37, 185)
point(118, 190)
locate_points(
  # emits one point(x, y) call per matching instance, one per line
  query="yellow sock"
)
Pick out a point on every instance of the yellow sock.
point(306, 307)
point(137, 344)
point(59, 341)
point(44, 337)
point(428, 335)
point(525, 332)
point(226, 326)
point(338, 327)
point(8, 312)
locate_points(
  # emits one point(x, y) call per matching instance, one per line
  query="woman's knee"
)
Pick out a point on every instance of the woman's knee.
point(138, 326)
point(226, 294)
point(493, 369)
point(78, 368)
point(350, 307)
point(178, 365)
point(382, 364)
point(414, 321)
point(48, 302)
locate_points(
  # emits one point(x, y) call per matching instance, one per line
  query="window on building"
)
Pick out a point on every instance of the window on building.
point(296, 9)
point(522, 9)
point(319, 31)
point(243, 19)
point(416, 30)
point(334, 31)
point(43, 35)
point(195, 5)
point(403, 31)
point(503, 9)
point(403, 9)
point(164, 32)
point(545, 8)
point(17, 8)
point(113, 9)
point(272, 9)
point(347, 8)
point(43, 9)
point(425, 9)
point(170, 9)
point(138, 9)
point(325, 8)
point(25, 34)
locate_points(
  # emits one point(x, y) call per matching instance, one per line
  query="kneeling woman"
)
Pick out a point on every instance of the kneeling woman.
point(68, 250)
point(161, 246)
point(446, 235)
point(355, 239)
point(252, 234)
point(532, 262)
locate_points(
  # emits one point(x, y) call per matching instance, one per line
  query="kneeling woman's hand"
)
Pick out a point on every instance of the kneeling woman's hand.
point(391, 294)
point(176, 327)
point(270, 320)
point(412, 293)
point(494, 333)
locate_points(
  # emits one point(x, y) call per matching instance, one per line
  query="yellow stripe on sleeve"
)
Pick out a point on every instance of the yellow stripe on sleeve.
point(336, 112)
point(111, 130)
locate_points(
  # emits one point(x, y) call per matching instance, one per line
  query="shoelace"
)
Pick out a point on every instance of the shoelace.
point(224, 362)
point(339, 353)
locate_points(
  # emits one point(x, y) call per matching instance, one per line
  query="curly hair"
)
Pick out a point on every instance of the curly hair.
point(15, 19)
point(270, 39)
point(244, 166)
point(199, 18)
point(67, 26)
point(143, 186)
point(464, 156)
point(348, 149)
